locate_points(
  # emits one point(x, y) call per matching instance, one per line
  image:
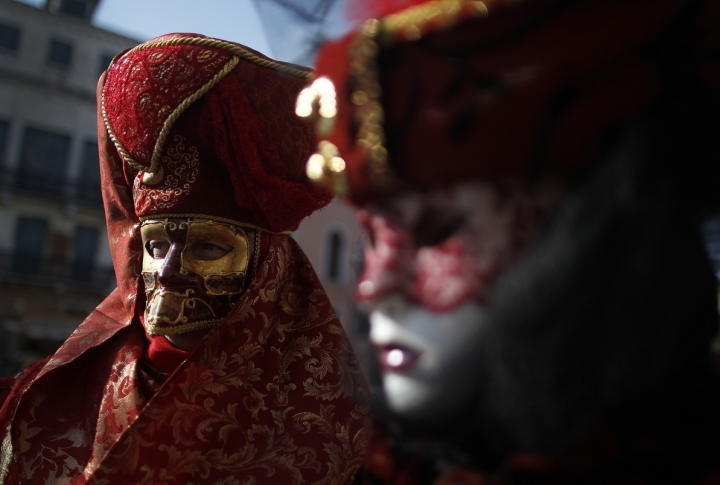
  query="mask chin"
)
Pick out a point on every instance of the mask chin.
point(171, 312)
point(435, 382)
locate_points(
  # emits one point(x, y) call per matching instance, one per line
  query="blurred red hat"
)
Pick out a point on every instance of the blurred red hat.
point(429, 93)
point(206, 127)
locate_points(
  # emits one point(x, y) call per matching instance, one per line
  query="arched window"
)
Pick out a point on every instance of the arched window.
point(336, 249)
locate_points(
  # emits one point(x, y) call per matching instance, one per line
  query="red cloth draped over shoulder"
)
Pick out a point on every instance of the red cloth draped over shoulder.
point(272, 394)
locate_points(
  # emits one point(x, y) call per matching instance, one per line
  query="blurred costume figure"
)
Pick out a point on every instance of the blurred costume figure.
point(532, 175)
point(202, 170)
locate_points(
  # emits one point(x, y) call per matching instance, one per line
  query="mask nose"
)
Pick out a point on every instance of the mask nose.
point(169, 274)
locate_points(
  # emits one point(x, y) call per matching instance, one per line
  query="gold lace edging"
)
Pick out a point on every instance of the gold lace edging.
point(443, 13)
point(167, 126)
point(184, 328)
point(211, 218)
point(411, 23)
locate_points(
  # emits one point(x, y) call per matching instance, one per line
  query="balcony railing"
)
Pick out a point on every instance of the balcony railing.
point(25, 268)
point(51, 187)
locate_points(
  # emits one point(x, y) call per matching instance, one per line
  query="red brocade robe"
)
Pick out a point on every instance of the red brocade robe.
point(272, 395)
point(266, 398)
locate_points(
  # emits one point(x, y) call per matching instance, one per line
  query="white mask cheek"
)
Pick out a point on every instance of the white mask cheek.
point(442, 379)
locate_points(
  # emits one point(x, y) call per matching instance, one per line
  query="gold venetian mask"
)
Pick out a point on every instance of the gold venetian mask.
point(194, 270)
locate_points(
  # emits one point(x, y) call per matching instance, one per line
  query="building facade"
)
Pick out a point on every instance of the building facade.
point(55, 264)
point(333, 242)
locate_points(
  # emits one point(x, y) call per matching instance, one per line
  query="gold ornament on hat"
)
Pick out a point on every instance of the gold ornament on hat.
point(318, 102)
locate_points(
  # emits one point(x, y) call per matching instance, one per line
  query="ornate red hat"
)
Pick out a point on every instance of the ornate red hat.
point(206, 127)
point(434, 92)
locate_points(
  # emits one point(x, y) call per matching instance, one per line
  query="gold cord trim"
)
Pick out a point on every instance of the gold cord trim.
point(167, 126)
point(443, 13)
point(229, 46)
point(187, 327)
point(238, 51)
point(212, 218)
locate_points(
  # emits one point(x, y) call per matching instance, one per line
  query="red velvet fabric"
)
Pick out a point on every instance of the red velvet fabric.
point(145, 86)
point(196, 182)
point(272, 394)
point(261, 181)
point(534, 88)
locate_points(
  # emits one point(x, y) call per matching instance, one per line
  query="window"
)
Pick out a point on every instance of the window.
point(4, 129)
point(56, 254)
point(89, 177)
point(105, 61)
point(58, 247)
point(85, 249)
point(43, 162)
point(77, 8)
point(30, 239)
point(60, 53)
point(9, 38)
point(336, 248)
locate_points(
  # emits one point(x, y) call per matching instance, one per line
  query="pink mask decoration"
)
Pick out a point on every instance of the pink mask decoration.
point(451, 262)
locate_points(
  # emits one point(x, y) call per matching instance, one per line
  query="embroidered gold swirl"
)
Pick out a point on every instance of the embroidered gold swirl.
point(180, 164)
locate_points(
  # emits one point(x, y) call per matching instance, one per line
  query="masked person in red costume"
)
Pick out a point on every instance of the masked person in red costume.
point(218, 359)
point(532, 175)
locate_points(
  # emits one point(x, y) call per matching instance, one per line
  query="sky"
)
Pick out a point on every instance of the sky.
point(235, 20)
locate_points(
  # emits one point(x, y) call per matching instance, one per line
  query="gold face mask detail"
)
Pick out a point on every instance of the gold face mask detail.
point(194, 271)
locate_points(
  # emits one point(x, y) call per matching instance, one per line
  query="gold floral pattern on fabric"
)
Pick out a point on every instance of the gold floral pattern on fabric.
point(6, 454)
point(272, 395)
point(58, 441)
point(180, 165)
point(237, 49)
point(267, 398)
point(121, 403)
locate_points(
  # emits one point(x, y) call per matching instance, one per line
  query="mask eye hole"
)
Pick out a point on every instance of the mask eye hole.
point(208, 250)
point(435, 227)
point(157, 249)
